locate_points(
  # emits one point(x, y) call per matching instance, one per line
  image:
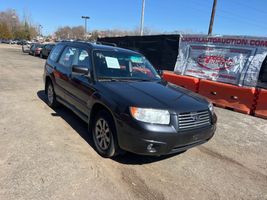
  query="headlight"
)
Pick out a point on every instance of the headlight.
point(211, 107)
point(149, 115)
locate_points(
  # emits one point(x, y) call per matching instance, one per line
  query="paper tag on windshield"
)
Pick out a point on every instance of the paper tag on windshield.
point(112, 63)
point(136, 59)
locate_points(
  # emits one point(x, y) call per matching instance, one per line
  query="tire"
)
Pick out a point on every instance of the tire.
point(41, 55)
point(51, 96)
point(104, 135)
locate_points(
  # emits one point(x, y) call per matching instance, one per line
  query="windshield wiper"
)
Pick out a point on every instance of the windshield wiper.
point(126, 79)
point(144, 79)
point(108, 79)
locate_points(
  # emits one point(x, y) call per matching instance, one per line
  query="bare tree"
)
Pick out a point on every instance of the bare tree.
point(10, 17)
point(13, 27)
point(4, 31)
point(77, 32)
point(123, 32)
point(67, 32)
point(63, 32)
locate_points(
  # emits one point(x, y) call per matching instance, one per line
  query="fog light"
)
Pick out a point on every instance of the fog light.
point(150, 148)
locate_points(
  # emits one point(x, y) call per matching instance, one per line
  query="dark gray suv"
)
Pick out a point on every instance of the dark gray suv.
point(126, 103)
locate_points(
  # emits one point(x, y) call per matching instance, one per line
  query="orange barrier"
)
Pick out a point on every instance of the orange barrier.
point(187, 82)
point(261, 106)
point(224, 95)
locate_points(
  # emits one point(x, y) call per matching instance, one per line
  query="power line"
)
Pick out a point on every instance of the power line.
point(243, 21)
point(220, 11)
point(236, 15)
point(250, 7)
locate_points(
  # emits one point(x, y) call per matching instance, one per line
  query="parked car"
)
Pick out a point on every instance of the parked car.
point(26, 48)
point(21, 42)
point(125, 102)
point(13, 41)
point(46, 50)
point(32, 48)
point(6, 41)
point(36, 49)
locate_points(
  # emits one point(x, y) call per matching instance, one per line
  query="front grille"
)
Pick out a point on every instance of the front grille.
point(193, 120)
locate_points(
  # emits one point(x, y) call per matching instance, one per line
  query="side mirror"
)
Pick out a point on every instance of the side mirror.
point(80, 70)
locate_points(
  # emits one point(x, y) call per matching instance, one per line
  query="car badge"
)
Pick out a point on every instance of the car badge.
point(195, 117)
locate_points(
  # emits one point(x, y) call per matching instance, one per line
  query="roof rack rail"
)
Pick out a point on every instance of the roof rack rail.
point(107, 43)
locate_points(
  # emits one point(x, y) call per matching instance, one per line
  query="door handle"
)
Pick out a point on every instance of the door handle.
point(213, 93)
point(234, 97)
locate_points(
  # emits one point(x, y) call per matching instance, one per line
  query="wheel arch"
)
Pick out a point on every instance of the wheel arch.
point(95, 109)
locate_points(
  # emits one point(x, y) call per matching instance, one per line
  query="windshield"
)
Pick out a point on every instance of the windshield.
point(121, 65)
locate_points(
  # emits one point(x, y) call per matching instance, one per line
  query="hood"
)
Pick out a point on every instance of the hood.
point(159, 95)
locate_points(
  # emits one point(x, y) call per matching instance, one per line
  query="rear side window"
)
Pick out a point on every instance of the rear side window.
point(55, 53)
point(82, 58)
point(67, 56)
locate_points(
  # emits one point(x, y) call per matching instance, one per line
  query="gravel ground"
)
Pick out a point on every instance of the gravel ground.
point(47, 154)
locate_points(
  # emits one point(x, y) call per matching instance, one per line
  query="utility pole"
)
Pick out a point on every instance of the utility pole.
point(142, 18)
point(40, 29)
point(212, 16)
point(85, 24)
point(14, 19)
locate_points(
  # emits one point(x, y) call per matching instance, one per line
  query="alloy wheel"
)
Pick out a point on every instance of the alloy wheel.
point(50, 94)
point(102, 134)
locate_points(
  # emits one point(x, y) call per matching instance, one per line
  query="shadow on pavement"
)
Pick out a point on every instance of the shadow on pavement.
point(81, 128)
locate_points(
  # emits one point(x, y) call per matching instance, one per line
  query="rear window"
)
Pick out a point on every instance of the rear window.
point(55, 52)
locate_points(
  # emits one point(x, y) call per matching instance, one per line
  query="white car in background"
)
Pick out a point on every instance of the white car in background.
point(26, 47)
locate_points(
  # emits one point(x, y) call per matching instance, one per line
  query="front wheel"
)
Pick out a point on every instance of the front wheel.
point(104, 135)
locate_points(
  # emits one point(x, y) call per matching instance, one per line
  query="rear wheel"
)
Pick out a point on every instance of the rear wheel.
point(104, 135)
point(51, 96)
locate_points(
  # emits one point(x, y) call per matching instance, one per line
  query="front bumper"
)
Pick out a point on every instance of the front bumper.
point(149, 139)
